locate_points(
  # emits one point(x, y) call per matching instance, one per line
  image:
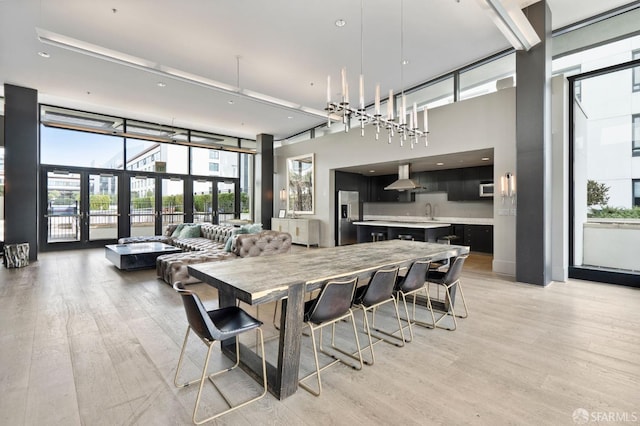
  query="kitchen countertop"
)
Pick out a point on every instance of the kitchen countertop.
point(391, 224)
point(423, 219)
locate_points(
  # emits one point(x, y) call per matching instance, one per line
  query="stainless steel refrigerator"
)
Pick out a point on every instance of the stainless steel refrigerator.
point(348, 212)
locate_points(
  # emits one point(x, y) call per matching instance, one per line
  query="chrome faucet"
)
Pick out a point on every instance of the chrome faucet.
point(428, 211)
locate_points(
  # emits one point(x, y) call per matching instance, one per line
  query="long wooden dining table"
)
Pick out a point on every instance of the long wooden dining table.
point(287, 277)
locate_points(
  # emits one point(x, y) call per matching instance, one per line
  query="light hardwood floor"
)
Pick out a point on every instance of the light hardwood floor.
point(84, 343)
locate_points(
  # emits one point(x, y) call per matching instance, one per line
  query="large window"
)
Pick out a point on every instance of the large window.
point(226, 164)
point(433, 95)
point(488, 77)
point(604, 174)
point(147, 156)
point(80, 149)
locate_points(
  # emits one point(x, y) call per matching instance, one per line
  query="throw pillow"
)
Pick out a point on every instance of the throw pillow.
point(252, 228)
point(192, 231)
point(232, 239)
point(176, 232)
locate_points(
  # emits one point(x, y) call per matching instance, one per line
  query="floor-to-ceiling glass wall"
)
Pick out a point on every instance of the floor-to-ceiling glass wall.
point(105, 177)
point(219, 183)
point(604, 170)
point(80, 176)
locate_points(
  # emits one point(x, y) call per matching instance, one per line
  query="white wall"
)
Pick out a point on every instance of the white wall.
point(478, 123)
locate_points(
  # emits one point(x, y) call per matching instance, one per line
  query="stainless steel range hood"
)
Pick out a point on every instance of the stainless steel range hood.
point(403, 183)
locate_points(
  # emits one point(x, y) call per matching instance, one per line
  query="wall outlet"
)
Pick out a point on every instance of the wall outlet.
point(503, 212)
point(513, 212)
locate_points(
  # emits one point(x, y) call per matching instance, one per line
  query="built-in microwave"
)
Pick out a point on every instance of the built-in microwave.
point(486, 189)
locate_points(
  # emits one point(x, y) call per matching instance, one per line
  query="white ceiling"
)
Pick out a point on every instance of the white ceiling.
point(286, 48)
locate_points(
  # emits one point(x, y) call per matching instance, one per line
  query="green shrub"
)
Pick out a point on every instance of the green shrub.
point(597, 193)
point(616, 213)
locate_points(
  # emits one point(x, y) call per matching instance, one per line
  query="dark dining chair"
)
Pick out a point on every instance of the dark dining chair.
point(450, 281)
point(369, 298)
point(332, 305)
point(410, 285)
point(211, 326)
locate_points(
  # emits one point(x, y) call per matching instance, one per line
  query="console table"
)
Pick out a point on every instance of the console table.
point(303, 231)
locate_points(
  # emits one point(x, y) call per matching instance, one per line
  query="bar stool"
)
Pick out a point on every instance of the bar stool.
point(446, 239)
point(405, 237)
point(378, 236)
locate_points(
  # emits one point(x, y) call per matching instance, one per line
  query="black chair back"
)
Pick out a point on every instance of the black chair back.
point(197, 315)
point(380, 287)
point(455, 269)
point(333, 301)
point(415, 277)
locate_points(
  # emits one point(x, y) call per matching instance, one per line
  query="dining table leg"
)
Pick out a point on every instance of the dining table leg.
point(290, 340)
point(282, 378)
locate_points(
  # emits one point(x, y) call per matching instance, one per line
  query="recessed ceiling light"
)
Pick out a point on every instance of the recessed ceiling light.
point(341, 23)
point(405, 62)
point(162, 84)
point(230, 101)
point(44, 54)
point(289, 117)
point(485, 158)
point(439, 164)
point(371, 171)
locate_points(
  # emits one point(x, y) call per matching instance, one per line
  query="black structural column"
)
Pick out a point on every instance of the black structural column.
point(533, 153)
point(21, 167)
point(264, 180)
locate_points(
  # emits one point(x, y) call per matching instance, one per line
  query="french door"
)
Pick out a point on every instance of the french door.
point(155, 202)
point(214, 200)
point(79, 208)
point(90, 208)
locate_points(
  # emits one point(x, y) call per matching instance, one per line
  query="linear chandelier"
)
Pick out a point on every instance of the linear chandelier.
point(406, 131)
point(342, 108)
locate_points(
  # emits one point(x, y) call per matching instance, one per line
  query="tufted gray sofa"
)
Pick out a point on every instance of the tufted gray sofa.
point(211, 237)
point(210, 248)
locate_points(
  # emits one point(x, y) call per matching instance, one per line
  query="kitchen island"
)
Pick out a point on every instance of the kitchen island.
point(420, 231)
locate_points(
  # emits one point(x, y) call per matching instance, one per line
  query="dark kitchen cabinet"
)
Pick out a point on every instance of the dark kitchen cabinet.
point(464, 184)
point(435, 181)
point(353, 182)
point(479, 238)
